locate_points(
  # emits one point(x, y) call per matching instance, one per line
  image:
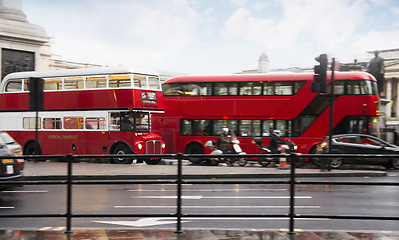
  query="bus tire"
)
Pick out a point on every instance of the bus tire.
point(195, 148)
point(33, 148)
point(121, 149)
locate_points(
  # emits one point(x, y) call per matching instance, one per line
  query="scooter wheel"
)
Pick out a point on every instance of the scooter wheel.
point(264, 162)
point(242, 162)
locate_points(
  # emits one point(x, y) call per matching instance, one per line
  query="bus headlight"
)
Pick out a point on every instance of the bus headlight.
point(163, 145)
point(139, 146)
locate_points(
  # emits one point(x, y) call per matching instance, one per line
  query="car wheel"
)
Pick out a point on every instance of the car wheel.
point(336, 163)
point(121, 149)
point(395, 163)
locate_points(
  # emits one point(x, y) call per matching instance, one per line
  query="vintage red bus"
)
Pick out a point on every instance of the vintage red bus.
point(85, 111)
point(197, 107)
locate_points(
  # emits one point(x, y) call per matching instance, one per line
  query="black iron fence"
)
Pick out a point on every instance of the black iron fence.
point(69, 181)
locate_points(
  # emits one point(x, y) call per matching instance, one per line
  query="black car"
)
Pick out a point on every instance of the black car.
point(10, 169)
point(358, 144)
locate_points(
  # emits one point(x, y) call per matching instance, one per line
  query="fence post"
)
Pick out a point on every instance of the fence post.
point(69, 159)
point(179, 193)
point(294, 159)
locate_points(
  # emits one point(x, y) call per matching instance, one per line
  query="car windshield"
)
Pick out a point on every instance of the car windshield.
point(6, 138)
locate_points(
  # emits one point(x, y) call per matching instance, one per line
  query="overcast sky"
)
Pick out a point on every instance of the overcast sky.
point(215, 36)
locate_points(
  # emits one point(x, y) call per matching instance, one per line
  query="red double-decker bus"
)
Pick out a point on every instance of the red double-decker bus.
point(198, 107)
point(85, 111)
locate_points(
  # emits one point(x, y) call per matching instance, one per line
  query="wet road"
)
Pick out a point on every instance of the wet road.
point(206, 199)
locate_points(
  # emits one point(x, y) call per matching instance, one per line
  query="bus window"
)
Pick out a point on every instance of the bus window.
point(96, 82)
point(218, 125)
point(73, 83)
point(14, 86)
point(139, 81)
point(352, 88)
point(52, 84)
point(298, 86)
point(30, 123)
point(233, 89)
point(127, 121)
point(206, 89)
point(250, 88)
point(250, 128)
point(221, 89)
point(267, 128)
point(114, 121)
point(73, 122)
point(153, 83)
point(119, 81)
point(26, 85)
point(285, 127)
point(52, 123)
point(95, 123)
point(283, 88)
point(142, 123)
point(268, 89)
point(339, 88)
point(201, 127)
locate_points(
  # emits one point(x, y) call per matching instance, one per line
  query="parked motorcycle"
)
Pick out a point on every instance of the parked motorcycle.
point(235, 149)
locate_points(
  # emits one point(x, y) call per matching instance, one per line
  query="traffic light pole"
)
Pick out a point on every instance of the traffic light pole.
point(332, 98)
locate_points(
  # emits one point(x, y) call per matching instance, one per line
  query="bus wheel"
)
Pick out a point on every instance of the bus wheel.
point(152, 161)
point(121, 149)
point(195, 148)
point(33, 148)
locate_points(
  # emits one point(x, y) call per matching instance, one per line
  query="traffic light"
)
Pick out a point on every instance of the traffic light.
point(319, 84)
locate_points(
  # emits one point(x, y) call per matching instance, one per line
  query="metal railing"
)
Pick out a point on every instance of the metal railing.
point(180, 180)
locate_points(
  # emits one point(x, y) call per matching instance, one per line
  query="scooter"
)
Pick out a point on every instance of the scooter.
point(263, 161)
point(235, 149)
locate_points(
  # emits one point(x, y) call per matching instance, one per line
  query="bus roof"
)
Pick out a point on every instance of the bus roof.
point(268, 77)
point(79, 72)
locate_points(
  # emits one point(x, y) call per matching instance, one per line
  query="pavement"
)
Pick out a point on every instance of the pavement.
point(84, 170)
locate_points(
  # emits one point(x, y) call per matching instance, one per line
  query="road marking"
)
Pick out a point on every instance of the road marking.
point(170, 197)
point(45, 228)
point(31, 191)
point(216, 207)
point(52, 228)
point(59, 228)
point(11, 207)
point(198, 197)
point(144, 222)
point(205, 190)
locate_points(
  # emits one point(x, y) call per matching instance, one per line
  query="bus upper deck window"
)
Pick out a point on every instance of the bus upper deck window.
point(14, 86)
point(96, 82)
point(52, 84)
point(73, 83)
point(139, 81)
point(154, 83)
point(119, 81)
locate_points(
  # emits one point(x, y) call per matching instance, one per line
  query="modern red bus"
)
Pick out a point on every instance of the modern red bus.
point(85, 111)
point(198, 107)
